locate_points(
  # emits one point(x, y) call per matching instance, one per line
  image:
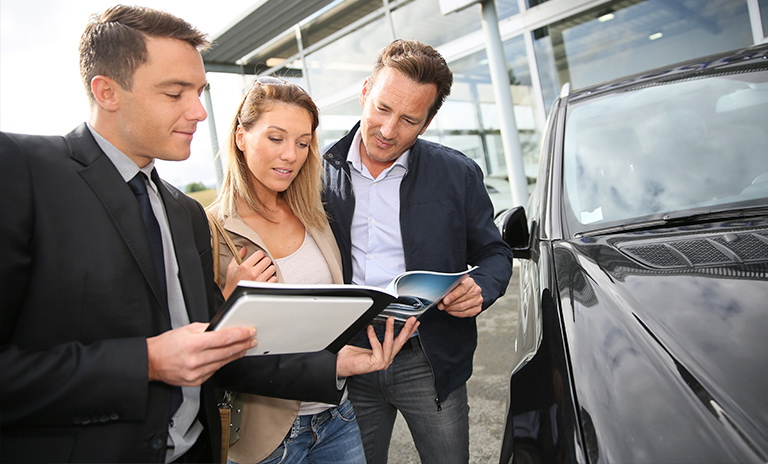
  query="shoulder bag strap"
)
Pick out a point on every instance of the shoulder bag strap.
point(216, 230)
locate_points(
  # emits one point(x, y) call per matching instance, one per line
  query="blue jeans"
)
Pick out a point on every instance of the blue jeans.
point(330, 437)
point(440, 431)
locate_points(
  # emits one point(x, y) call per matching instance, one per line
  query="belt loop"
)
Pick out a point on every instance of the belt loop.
point(412, 344)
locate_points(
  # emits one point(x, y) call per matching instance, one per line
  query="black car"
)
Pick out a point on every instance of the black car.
point(643, 324)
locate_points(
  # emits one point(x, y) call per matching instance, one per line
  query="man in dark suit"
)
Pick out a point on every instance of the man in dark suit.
point(106, 272)
point(104, 355)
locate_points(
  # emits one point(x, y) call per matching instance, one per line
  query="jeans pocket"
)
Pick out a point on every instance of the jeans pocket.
point(346, 412)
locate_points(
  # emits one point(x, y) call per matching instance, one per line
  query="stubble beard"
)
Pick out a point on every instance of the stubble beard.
point(387, 159)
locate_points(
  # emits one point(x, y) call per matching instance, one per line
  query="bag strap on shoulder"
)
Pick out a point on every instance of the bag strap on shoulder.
point(218, 230)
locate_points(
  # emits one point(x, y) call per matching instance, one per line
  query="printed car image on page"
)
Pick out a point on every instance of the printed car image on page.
point(418, 291)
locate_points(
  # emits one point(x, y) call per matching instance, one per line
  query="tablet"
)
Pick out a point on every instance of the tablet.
point(300, 318)
point(294, 324)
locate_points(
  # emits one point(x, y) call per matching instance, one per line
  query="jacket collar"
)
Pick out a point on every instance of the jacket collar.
point(120, 204)
point(117, 198)
point(336, 154)
point(322, 237)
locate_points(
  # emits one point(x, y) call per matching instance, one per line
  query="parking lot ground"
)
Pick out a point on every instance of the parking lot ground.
point(487, 388)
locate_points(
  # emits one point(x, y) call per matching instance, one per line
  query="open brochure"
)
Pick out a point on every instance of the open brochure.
point(307, 318)
point(417, 291)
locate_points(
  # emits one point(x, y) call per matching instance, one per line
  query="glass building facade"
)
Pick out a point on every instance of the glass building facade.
point(546, 45)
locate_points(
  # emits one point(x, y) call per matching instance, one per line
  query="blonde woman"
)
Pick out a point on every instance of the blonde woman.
point(270, 206)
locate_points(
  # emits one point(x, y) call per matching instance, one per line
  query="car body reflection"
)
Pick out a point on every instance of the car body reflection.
point(644, 272)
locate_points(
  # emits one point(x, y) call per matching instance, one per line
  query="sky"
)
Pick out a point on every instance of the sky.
point(40, 87)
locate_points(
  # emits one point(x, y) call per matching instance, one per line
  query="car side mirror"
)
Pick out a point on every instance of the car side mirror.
point(513, 226)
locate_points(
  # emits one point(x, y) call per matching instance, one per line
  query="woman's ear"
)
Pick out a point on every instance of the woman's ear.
point(239, 134)
point(105, 92)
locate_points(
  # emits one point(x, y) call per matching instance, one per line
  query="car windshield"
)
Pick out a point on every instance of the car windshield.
point(670, 147)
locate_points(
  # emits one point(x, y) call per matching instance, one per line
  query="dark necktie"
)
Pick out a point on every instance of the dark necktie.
point(139, 187)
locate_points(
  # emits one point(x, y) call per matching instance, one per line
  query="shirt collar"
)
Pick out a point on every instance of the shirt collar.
point(125, 166)
point(356, 162)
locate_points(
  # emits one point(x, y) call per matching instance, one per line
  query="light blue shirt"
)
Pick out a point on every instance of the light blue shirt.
point(377, 242)
point(184, 428)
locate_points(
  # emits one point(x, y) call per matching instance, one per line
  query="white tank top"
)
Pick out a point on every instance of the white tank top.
point(307, 265)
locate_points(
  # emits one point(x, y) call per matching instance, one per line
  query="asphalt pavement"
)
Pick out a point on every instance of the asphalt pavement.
point(487, 388)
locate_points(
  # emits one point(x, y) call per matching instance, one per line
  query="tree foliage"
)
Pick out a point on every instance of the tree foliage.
point(195, 187)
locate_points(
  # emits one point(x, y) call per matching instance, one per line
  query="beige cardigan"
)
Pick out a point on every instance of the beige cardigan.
point(266, 421)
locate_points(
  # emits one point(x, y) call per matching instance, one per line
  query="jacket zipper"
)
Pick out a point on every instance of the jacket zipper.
point(437, 400)
point(349, 183)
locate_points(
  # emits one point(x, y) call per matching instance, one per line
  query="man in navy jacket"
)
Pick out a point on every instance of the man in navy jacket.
point(398, 203)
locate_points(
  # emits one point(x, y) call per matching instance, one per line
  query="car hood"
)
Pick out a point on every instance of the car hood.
point(668, 338)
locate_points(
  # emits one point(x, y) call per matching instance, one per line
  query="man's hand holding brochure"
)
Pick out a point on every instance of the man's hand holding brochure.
point(306, 318)
point(417, 291)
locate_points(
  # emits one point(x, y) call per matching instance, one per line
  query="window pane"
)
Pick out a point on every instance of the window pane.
point(346, 62)
point(525, 104)
point(422, 20)
point(622, 38)
point(275, 53)
point(506, 8)
point(471, 110)
point(470, 145)
point(335, 122)
point(292, 72)
point(335, 19)
point(457, 116)
point(458, 124)
point(319, 27)
point(764, 15)
point(545, 58)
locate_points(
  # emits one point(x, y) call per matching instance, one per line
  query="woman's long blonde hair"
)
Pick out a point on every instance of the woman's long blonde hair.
point(304, 194)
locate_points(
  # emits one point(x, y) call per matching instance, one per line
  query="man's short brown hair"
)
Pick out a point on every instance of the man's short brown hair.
point(113, 44)
point(420, 63)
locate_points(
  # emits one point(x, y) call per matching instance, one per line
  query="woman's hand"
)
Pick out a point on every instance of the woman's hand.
point(257, 267)
point(353, 360)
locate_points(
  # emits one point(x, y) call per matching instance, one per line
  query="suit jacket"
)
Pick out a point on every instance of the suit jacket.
point(266, 420)
point(78, 303)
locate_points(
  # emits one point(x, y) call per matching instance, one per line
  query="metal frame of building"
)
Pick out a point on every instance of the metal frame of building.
point(236, 49)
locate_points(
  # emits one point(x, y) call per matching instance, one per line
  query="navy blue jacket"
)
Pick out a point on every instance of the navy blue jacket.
point(446, 220)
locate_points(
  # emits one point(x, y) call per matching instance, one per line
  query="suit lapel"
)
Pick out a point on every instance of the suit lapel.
point(193, 283)
point(118, 201)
